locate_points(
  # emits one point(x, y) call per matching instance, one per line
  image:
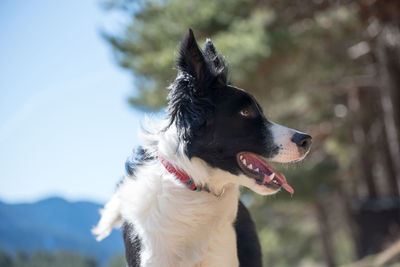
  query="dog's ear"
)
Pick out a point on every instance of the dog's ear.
point(191, 60)
point(216, 61)
point(211, 54)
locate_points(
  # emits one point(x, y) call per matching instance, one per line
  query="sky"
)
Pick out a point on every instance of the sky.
point(66, 127)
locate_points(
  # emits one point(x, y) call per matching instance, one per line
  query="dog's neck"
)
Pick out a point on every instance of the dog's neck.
point(180, 175)
point(203, 175)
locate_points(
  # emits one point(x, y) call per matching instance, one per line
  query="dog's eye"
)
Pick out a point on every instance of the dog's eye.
point(245, 112)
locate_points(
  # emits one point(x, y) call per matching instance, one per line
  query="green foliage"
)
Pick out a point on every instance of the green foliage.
point(286, 240)
point(117, 261)
point(5, 259)
point(46, 259)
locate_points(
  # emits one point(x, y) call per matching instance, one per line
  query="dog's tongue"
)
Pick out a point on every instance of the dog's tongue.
point(282, 180)
point(288, 188)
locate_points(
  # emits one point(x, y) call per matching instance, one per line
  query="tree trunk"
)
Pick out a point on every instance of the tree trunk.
point(325, 234)
point(388, 59)
point(381, 19)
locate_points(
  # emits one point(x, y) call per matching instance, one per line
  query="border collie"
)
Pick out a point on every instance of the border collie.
point(179, 204)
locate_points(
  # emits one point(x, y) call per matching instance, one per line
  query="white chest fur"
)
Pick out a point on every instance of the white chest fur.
point(179, 227)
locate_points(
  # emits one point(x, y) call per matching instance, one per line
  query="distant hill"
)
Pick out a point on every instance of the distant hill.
point(55, 224)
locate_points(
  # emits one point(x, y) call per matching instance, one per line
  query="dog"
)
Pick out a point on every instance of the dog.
point(179, 203)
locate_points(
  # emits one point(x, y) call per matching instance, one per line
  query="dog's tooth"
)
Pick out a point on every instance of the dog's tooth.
point(271, 176)
point(250, 166)
point(257, 170)
point(244, 161)
point(241, 157)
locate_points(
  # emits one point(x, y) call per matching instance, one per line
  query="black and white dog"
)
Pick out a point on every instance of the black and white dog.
point(179, 205)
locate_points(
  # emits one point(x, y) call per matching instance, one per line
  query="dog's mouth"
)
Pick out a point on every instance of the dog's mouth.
point(254, 166)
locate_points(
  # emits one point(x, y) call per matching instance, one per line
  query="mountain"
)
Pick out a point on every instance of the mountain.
point(55, 224)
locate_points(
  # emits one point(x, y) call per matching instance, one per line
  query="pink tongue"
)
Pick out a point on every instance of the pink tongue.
point(288, 188)
point(282, 180)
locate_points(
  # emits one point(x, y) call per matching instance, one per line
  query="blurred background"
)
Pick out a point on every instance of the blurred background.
point(78, 77)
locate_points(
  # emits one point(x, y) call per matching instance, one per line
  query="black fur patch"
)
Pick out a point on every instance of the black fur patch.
point(189, 103)
point(248, 245)
point(132, 245)
point(139, 156)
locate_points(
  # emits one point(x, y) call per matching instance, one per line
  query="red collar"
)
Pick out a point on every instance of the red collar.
point(180, 174)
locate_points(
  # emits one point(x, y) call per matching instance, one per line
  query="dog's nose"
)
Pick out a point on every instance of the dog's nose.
point(302, 140)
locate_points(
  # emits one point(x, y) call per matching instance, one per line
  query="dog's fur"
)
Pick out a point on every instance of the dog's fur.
point(209, 123)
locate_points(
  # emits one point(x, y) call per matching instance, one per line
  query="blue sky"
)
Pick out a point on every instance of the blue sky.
point(65, 125)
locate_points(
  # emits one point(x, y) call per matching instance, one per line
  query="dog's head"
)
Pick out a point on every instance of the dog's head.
point(225, 126)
